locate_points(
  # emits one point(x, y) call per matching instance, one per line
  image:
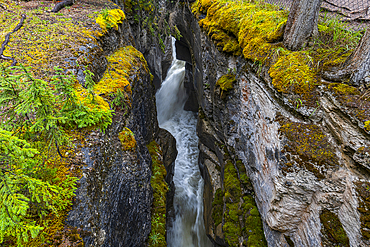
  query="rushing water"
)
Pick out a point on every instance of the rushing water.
point(188, 226)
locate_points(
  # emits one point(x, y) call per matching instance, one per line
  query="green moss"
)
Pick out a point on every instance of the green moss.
point(312, 146)
point(333, 229)
point(217, 207)
point(232, 227)
point(238, 211)
point(232, 232)
point(157, 235)
point(127, 139)
point(231, 183)
point(243, 177)
point(253, 226)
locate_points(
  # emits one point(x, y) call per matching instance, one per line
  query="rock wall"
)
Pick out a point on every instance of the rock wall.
point(113, 202)
point(306, 168)
point(308, 183)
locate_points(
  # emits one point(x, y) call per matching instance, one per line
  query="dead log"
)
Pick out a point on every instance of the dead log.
point(301, 24)
point(59, 6)
point(356, 69)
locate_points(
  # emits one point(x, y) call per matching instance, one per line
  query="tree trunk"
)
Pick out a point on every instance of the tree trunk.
point(356, 69)
point(302, 22)
point(359, 61)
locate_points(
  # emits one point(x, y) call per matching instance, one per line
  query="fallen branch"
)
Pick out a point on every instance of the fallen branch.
point(336, 5)
point(3, 6)
point(61, 5)
point(6, 41)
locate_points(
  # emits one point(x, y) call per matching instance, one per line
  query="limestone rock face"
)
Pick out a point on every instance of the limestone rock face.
point(114, 199)
point(302, 165)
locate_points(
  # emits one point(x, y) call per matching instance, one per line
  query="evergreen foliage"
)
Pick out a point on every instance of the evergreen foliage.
point(24, 189)
point(44, 109)
point(37, 112)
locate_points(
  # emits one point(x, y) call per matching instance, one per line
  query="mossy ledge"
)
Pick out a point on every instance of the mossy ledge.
point(255, 29)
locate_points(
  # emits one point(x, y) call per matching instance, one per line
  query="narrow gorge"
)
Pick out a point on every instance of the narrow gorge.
point(198, 128)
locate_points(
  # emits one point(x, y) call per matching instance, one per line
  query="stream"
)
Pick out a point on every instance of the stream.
point(188, 226)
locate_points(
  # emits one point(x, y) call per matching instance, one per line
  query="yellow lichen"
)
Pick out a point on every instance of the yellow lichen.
point(110, 19)
point(127, 139)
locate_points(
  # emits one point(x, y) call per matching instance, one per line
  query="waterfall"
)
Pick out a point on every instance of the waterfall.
point(188, 226)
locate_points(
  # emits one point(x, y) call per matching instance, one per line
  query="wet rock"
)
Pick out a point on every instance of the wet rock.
point(292, 185)
point(113, 202)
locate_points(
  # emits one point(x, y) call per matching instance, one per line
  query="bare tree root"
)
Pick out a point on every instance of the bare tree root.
point(61, 5)
point(6, 41)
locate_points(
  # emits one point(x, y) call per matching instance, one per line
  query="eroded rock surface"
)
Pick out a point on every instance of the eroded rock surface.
point(305, 171)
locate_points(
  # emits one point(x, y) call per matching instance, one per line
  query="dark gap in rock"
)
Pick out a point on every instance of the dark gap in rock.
point(183, 53)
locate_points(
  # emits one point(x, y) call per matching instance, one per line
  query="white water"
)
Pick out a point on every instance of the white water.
point(188, 226)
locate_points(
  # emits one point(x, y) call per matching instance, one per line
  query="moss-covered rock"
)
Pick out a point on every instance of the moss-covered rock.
point(217, 207)
point(127, 139)
point(363, 191)
point(311, 144)
point(332, 229)
point(238, 214)
point(226, 83)
point(157, 235)
point(258, 28)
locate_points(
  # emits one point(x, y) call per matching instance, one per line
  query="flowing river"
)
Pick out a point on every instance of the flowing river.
point(188, 226)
